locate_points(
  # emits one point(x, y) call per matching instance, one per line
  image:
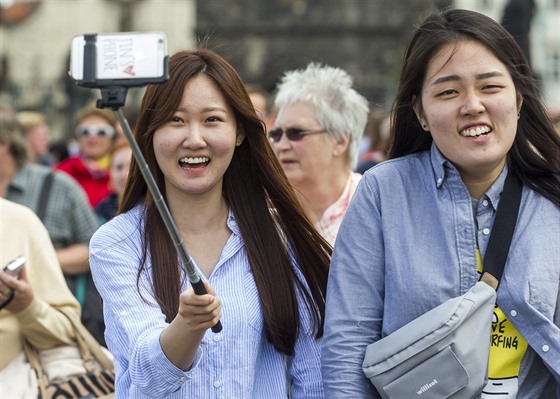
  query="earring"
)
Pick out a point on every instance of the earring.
point(518, 115)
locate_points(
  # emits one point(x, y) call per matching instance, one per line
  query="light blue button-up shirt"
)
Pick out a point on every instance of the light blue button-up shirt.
point(238, 362)
point(408, 243)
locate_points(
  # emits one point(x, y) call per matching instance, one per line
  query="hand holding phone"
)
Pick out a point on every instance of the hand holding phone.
point(14, 269)
point(15, 266)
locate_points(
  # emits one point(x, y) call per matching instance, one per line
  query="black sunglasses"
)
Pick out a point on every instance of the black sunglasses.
point(293, 134)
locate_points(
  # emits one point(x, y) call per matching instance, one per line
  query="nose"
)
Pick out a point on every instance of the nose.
point(472, 104)
point(283, 143)
point(193, 137)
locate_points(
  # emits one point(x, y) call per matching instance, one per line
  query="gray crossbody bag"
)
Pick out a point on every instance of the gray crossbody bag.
point(444, 352)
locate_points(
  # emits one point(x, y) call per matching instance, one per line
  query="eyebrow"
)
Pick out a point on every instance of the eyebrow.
point(481, 76)
point(211, 109)
point(205, 109)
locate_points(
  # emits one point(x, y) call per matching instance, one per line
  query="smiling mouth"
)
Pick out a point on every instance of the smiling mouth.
point(193, 162)
point(479, 131)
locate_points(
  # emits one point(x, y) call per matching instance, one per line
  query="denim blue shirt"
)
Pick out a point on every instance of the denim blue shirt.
point(238, 362)
point(408, 243)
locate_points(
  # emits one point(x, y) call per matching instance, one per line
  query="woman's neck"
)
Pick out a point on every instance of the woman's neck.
point(318, 196)
point(478, 183)
point(197, 214)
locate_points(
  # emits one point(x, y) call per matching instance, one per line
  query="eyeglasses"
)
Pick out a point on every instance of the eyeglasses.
point(92, 130)
point(293, 134)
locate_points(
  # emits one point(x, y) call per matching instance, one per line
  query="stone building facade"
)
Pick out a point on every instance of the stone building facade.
point(263, 39)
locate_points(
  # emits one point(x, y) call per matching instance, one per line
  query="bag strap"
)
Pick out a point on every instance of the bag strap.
point(502, 231)
point(89, 347)
point(44, 196)
point(90, 350)
point(33, 358)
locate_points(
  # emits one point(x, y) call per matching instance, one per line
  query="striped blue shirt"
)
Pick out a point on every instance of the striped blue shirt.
point(238, 362)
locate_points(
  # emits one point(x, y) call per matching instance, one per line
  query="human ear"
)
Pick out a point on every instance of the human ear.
point(519, 104)
point(341, 145)
point(417, 107)
point(239, 139)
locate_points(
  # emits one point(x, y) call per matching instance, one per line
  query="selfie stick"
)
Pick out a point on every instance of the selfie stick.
point(114, 97)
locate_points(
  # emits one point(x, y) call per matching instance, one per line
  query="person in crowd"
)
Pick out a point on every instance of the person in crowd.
point(95, 133)
point(29, 299)
point(466, 114)
point(59, 150)
point(121, 155)
point(37, 135)
point(317, 132)
point(130, 114)
point(376, 134)
point(260, 99)
point(62, 205)
point(263, 263)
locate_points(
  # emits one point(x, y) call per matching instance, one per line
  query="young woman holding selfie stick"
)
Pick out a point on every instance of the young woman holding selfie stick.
point(263, 263)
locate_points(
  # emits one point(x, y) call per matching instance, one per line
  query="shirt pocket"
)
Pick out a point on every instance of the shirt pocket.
point(544, 295)
point(252, 302)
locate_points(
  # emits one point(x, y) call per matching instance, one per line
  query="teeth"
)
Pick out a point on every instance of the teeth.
point(195, 160)
point(475, 132)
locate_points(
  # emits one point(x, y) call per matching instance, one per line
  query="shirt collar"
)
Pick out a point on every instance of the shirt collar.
point(439, 163)
point(441, 167)
point(20, 180)
point(232, 223)
point(494, 193)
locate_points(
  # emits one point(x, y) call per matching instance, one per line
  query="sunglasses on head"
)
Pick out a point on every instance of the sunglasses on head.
point(101, 131)
point(293, 134)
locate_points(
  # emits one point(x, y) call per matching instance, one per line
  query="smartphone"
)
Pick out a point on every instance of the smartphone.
point(123, 59)
point(15, 266)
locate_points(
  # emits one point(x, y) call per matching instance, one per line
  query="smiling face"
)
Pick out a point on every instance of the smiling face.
point(94, 145)
point(470, 107)
point(195, 148)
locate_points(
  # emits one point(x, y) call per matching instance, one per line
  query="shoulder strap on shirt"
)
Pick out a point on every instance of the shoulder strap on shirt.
point(502, 231)
point(44, 196)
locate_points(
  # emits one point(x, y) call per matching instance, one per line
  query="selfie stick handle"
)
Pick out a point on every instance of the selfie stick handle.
point(194, 278)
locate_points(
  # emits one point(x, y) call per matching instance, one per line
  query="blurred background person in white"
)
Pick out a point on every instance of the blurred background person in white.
point(28, 304)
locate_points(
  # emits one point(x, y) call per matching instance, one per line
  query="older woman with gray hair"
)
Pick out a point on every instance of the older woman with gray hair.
point(323, 118)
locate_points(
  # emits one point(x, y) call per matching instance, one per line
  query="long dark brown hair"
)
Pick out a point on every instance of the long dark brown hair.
point(253, 184)
point(534, 156)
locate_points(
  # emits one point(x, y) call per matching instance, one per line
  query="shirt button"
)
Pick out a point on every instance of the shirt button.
point(485, 202)
point(217, 383)
point(513, 313)
point(486, 231)
point(545, 348)
point(233, 223)
point(217, 337)
point(183, 379)
point(439, 181)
